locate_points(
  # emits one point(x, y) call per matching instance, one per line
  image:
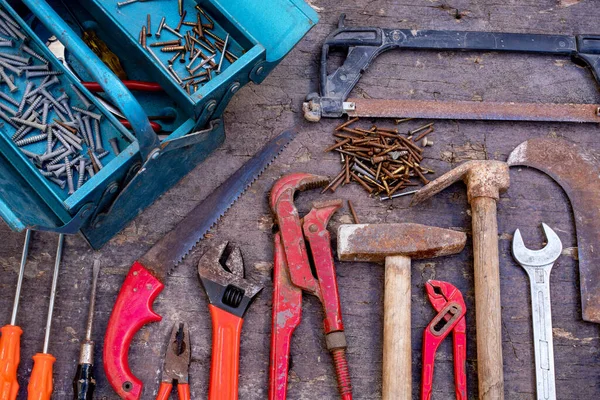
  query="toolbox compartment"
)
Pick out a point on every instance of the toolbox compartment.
point(131, 181)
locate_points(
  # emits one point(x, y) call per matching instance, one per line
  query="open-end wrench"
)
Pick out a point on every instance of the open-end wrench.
point(538, 264)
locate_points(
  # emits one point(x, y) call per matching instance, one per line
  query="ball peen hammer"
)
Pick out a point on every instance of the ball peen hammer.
point(396, 245)
point(485, 181)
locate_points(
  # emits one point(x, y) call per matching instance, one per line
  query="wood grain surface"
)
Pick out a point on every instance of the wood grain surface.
point(259, 112)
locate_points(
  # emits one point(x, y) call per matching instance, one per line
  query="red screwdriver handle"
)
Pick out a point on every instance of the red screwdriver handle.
point(132, 310)
point(225, 365)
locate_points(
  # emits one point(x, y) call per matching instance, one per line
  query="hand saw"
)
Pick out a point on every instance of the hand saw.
point(144, 282)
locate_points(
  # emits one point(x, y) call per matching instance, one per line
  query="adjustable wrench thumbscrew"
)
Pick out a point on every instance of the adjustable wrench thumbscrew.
point(538, 265)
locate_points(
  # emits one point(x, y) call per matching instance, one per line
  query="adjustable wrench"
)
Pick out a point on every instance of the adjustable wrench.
point(538, 264)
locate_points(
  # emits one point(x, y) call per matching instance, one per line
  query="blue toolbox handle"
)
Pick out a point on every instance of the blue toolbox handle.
point(113, 87)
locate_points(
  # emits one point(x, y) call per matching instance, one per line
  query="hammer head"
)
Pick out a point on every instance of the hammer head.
point(484, 178)
point(375, 242)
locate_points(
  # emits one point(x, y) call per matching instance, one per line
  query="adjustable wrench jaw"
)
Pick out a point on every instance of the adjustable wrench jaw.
point(225, 284)
point(537, 258)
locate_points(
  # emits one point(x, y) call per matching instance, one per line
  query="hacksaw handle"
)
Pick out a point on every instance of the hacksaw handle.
point(397, 368)
point(132, 310)
point(487, 298)
point(225, 366)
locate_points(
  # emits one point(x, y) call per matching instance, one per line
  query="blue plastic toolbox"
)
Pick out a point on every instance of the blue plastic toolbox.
point(115, 188)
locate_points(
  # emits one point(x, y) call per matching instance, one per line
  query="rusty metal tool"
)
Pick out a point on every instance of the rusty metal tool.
point(485, 181)
point(144, 282)
point(396, 245)
point(448, 301)
point(363, 44)
point(538, 265)
point(576, 171)
point(221, 271)
point(293, 274)
point(176, 364)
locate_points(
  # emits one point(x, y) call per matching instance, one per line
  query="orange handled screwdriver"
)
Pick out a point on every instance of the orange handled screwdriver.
point(10, 342)
point(40, 383)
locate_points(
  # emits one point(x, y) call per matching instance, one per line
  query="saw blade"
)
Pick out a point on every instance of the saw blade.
point(471, 110)
point(175, 245)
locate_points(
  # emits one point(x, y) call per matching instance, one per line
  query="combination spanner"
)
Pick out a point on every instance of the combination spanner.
point(538, 265)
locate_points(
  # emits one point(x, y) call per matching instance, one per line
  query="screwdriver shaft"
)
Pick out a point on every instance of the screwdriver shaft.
point(59, 249)
point(90, 320)
point(13, 319)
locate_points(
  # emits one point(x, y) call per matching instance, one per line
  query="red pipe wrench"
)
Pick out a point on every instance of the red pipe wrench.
point(293, 274)
point(448, 302)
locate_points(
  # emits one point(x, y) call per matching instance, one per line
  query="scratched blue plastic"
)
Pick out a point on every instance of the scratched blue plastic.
point(38, 202)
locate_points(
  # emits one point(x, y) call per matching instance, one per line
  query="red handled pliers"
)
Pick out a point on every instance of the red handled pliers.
point(177, 363)
point(448, 301)
point(131, 85)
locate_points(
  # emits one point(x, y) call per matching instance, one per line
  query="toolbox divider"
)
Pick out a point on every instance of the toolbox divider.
point(113, 87)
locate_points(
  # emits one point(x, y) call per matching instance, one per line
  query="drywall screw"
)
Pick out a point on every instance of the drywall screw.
point(426, 142)
point(56, 104)
point(6, 43)
point(11, 86)
point(114, 144)
point(65, 104)
point(30, 140)
point(170, 49)
point(60, 115)
point(21, 60)
point(69, 176)
point(81, 171)
point(8, 109)
point(32, 53)
point(176, 42)
point(52, 81)
point(45, 112)
point(90, 133)
point(173, 31)
point(84, 100)
point(36, 67)
point(148, 25)
point(59, 182)
point(50, 140)
point(90, 170)
point(9, 99)
point(23, 129)
point(12, 68)
point(55, 153)
point(160, 26)
point(45, 173)
point(60, 138)
point(28, 153)
point(7, 119)
point(103, 154)
point(34, 105)
point(88, 113)
point(31, 124)
point(98, 136)
point(28, 89)
point(64, 138)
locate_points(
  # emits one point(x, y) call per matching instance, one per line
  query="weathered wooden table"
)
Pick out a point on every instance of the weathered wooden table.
point(260, 112)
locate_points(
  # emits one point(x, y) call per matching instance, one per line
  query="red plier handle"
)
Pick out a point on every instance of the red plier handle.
point(131, 85)
point(156, 127)
point(164, 391)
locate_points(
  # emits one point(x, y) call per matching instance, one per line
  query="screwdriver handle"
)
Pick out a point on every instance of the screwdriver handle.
point(104, 53)
point(40, 383)
point(10, 356)
point(84, 383)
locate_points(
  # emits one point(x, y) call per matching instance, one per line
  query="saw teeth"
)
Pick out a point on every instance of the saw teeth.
point(258, 175)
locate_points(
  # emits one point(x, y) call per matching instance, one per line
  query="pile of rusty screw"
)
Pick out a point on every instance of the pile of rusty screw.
point(70, 136)
point(381, 160)
point(199, 48)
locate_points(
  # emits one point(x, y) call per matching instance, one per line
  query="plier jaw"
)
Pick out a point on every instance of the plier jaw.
point(448, 301)
point(177, 362)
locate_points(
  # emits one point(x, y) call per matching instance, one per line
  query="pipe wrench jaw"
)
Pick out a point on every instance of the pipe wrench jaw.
point(222, 275)
point(286, 187)
point(441, 293)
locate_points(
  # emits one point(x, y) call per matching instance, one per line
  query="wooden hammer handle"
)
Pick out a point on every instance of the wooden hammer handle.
point(487, 299)
point(397, 373)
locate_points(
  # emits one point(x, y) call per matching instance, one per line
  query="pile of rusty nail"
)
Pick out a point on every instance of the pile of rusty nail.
point(204, 50)
point(37, 115)
point(381, 160)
